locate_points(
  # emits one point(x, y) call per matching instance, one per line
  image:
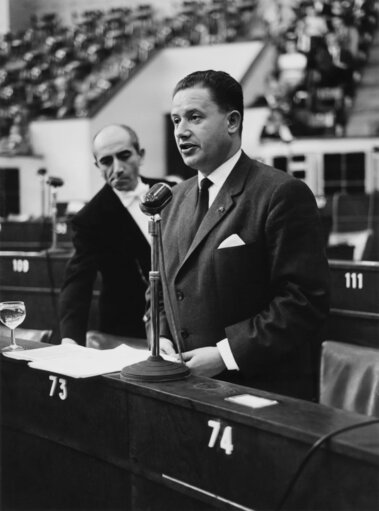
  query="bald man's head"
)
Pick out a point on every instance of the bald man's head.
point(118, 156)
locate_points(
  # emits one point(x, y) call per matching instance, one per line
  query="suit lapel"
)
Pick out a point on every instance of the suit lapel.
point(187, 213)
point(121, 219)
point(219, 210)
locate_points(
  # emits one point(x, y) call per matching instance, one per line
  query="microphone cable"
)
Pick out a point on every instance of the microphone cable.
point(170, 310)
point(312, 450)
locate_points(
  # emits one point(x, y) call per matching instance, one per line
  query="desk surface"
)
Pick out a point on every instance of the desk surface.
point(104, 443)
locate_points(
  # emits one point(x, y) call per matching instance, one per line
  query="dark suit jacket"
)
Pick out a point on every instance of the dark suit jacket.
point(108, 242)
point(269, 297)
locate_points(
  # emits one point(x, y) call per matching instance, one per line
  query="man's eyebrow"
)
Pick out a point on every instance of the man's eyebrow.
point(186, 113)
point(110, 155)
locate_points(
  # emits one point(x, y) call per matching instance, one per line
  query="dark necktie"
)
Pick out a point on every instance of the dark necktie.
point(202, 203)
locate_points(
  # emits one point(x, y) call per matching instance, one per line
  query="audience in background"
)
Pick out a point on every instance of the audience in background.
point(54, 71)
point(321, 51)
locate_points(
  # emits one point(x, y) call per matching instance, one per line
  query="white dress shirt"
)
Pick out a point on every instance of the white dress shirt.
point(219, 176)
point(131, 201)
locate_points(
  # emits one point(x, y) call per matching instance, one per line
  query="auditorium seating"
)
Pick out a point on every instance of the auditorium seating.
point(53, 71)
point(349, 373)
point(334, 39)
point(355, 226)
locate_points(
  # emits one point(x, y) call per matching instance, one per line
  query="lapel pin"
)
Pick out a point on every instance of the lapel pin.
point(221, 209)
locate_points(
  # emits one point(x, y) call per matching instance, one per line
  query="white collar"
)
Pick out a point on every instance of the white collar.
point(219, 175)
point(130, 195)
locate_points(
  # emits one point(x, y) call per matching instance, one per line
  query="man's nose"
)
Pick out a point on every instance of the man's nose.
point(118, 167)
point(182, 130)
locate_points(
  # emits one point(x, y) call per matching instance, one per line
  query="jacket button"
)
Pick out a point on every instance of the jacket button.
point(184, 333)
point(179, 295)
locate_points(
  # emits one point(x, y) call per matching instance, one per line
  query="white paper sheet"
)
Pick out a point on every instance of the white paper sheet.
point(79, 361)
point(251, 401)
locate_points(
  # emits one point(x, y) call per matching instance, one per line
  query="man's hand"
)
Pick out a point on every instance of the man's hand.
point(204, 361)
point(166, 347)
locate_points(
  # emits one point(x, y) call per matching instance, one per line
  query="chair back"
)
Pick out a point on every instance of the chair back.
point(349, 377)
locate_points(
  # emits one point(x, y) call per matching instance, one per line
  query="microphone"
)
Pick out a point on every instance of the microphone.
point(55, 182)
point(156, 199)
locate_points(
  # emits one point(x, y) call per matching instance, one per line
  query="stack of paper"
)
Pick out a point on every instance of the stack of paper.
point(80, 362)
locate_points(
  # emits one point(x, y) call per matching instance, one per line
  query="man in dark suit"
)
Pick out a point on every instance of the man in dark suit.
point(250, 287)
point(111, 239)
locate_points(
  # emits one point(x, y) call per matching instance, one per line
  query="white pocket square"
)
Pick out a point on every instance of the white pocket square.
point(233, 241)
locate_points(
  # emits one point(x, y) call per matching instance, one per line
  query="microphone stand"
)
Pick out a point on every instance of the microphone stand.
point(42, 173)
point(155, 368)
point(54, 245)
point(54, 183)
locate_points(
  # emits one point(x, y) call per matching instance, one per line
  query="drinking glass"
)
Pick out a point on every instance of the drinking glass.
point(12, 314)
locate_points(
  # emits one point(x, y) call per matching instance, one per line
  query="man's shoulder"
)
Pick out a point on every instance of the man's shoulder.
point(182, 187)
point(103, 198)
point(268, 173)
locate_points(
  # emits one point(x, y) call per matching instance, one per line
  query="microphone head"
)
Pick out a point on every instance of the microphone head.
point(156, 199)
point(55, 182)
point(42, 172)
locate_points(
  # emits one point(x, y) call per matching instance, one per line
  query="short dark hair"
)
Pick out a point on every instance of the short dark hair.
point(225, 90)
point(133, 135)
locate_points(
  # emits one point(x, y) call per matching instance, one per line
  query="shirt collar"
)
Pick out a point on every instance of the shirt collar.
point(127, 197)
point(219, 175)
point(138, 190)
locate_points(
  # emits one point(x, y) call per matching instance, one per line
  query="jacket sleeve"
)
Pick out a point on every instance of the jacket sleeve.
point(76, 292)
point(298, 301)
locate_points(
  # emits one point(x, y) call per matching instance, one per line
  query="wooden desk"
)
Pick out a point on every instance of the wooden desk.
point(354, 314)
point(103, 443)
point(34, 235)
point(36, 278)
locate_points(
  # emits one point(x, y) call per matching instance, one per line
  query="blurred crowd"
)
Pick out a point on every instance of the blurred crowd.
point(51, 71)
point(323, 46)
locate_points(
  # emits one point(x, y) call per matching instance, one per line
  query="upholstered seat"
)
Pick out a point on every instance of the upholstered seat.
point(349, 377)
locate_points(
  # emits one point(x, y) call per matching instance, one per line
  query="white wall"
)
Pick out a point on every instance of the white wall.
point(4, 16)
point(146, 99)
point(19, 14)
point(66, 146)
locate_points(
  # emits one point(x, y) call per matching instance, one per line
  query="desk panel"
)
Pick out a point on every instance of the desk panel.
point(151, 445)
point(36, 278)
point(34, 235)
point(33, 269)
point(355, 286)
point(354, 313)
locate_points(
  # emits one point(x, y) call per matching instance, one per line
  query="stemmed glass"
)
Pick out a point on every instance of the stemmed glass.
point(12, 314)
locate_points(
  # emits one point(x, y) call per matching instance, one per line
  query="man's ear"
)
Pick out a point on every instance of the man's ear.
point(234, 121)
point(96, 164)
point(142, 153)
